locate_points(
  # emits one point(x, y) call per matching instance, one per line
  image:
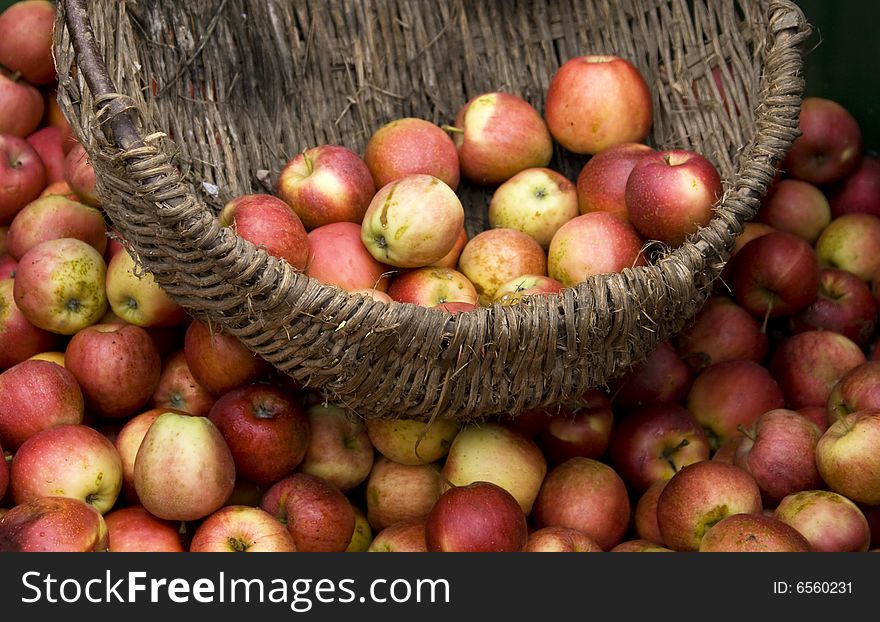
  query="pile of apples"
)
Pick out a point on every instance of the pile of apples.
point(127, 425)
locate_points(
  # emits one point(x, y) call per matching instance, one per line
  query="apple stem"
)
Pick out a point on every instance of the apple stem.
point(310, 165)
point(667, 453)
point(766, 318)
point(15, 77)
point(744, 432)
point(452, 128)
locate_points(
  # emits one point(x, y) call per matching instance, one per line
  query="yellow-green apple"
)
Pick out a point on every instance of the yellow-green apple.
point(640, 546)
point(397, 492)
point(587, 495)
point(67, 461)
point(412, 222)
point(241, 529)
point(403, 537)
point(779, 450)
point(177, 389)
point(48, 143)
point(494, 256)
point(776, 274)
point(21, 105)
point(556, 539)
point(830, 522)
point(132, 529)
point(699, 496)
point(645, 513)
point(326, 184)
point(807, 365)
point(183, 469)
point(721, 331)
point(497, 136)
point(317, 514)
point(409, 441)
point(59, 285)
point(337, 256)
point(136, 297)
point(26, 29)
point(19, 339)
point(450, 259)
point(22, 175)
point(53, 525)
point(80, 175)
point(37, 395)
point(719, 404)
point(662, 376)
point(117, 367)
point(830, 143)
point(596, 101)
point(53, 217)
point(269, 223)
point(654, 442)
point(591, 244)
point(851, 242)
point(513, 291)
point(536, 201)
point(339, 449)
point(491, 452)
point(859, 191)
point(844, 305)
point(362, 536)
point(601, 184)
point(429, 287)
point(220, 362)
point(753, 533)
point(582, 429)
point(857, 389)
point(478, 517)
point(670, 194)
point(848, 456)
point(796, 207)
point(266, 429)
point(411, 146)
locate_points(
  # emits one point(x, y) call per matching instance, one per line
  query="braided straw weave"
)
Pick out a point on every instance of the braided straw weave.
point(183, 105)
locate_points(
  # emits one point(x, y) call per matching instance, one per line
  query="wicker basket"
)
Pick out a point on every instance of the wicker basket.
point(182, 105)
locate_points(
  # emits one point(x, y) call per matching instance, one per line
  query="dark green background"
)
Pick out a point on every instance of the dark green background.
point(842, 61)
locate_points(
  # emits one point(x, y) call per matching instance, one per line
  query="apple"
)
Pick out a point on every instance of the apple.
point(583, 429)
point(858, 389)
point(699, 496)
point(640, 546)
point(54, 117)
point(337, 256)
point(339, 449)
point(318, 516)
point(19, 339)
point(412, 442)
point(403, 537)
point(671, 194)
point(829, 146)
point(851, 242)
point(37, 395)
point(397, 492)
point(136, 297)
point(127, 442)
point(721, 331)
point(53, 356)
point(8, 264)
point(654, 442)
point(601, 184)
point(830, 522)
point(753, 533)
point(68, 461)
point(536, 201)
point(645, 514)
point(21, 105)
point(375, 294)
point(587, 495)
point(241, 529)
point(80, 175)
point(859, 191)
point(265, 428)
point(362, 536)
point(662, 376)
point(268, 223)
point(220, 362)
point(178, 390)
point(48, 142)
point(848, 459)
point(779, 450)
point(494, 256)
point(450, 259)
point(596, 101)
point(26, 29)
point(560, 540)
point(796, 207)
point(775, 274)
point(53, 525)
point(22, 174)
point(490, 452)
point(59, 188)
point(478, 517)
point(593, 243)
point(844, 305)
point(4, 474)
point(183, 469)
point(817, 414)
point(412, 222)
point(516, 289)
point(134, 530)
point(54, 217)
point(807, 365)
point(411, 146)
point(429, 287)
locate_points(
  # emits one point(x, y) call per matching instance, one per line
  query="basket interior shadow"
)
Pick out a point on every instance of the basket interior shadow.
point(184, 105)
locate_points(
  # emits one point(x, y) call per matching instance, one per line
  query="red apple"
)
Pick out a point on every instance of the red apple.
point(60, 188)
point(220, 362)
point(494, 256)
point(411, 146)
point(796, 207)
point(403, 537)
point(753, 533)
point(859, 191)
point(22, 174)
point(177, 389)
point(851, 242)
point(337, 256)
point(19, 339)
point(339, 449)
point(601, 184)
point(830, 144)
point(4, 474)
point(53, 525)
point(26, 30)
point(645, 515)
point(844, 305)
point(54, 217)
point(241, 529)
point(858, 389)
point(21, 105)
point(560, 540)
point(516, 289)
point(581, 430)
point(409, 441)
point(594, 102)
point(269, 223)
point(429, 287)
point(721, 331)
point(80, 175)
point(8, 264)
point(134, 530)
point(830, 522)
point(397, 492)
point(640, 546)
point(662, 376)
point(48, 143)
point(54, 117)
point(848, 458)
